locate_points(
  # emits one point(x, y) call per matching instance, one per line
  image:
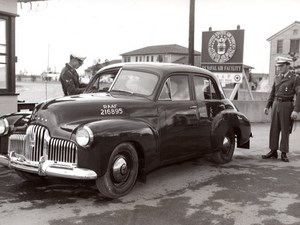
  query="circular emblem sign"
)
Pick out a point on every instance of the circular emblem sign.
point(237, 78)
point(221, 46)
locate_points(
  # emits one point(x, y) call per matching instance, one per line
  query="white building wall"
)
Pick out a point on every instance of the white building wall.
point(286, 36)
point(8, 104)
point(9, 6)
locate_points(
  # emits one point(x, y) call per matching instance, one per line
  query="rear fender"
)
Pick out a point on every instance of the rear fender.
point(227, 120)
point(218, 129)
point(17, 120)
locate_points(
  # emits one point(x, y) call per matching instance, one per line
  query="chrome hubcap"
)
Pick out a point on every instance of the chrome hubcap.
point(226, 145)
point(120, 169)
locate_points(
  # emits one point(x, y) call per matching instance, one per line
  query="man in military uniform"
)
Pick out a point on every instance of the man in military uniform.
point(69, 77)
point(284, 110)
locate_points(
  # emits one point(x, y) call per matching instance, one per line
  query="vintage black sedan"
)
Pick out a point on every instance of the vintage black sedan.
point(152, 115)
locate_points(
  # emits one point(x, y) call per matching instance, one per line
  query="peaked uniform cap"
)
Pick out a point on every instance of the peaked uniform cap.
point(78, 56)
point(282, 60)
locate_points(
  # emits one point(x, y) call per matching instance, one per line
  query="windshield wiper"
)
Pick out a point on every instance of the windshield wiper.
point(122, 91)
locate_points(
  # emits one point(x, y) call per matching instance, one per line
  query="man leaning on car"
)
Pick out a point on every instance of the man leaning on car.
point(69, 77)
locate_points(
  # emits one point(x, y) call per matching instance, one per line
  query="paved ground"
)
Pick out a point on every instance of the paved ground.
point(247, 191)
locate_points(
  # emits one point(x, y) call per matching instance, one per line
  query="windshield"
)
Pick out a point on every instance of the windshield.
point(135, 82)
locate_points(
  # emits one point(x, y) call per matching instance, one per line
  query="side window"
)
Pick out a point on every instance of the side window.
point(176, 88)
point(102, 83)
point(205, 88)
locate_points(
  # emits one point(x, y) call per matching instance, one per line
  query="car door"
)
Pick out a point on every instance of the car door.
point(209, 105)
point(178, 117)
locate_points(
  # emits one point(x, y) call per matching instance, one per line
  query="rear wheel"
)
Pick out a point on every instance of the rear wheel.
point(121, 172)
point(224, 155)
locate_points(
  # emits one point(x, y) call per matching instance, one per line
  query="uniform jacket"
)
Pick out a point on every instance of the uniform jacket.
point(69, 79)
point(286, 88)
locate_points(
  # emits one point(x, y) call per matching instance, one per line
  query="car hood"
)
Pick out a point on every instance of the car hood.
point(63, 115)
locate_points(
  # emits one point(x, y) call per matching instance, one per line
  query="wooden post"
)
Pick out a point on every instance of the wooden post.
point(248, 85)
point(191, 32)
point(237, 86)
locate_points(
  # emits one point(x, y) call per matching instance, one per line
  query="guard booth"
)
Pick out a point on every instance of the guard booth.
point(8, 97)
point(222, 54)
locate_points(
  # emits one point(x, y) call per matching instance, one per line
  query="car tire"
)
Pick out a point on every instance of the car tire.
point(121, 172)
point(30, 176)
point(224, 155)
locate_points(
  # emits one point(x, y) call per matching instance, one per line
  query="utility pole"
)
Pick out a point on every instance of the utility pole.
point(191, 32)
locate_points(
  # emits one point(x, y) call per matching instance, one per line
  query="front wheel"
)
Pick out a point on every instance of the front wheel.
point(121, 172)
point(224, 155)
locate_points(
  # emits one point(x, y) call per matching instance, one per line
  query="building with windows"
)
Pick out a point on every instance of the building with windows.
point(8, 97)
point(161, 53)
point(284, 43)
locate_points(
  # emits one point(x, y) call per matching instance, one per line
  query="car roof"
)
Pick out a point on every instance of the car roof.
point(159, 68)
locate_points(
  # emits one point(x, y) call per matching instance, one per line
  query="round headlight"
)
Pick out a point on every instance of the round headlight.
point(84, 136)
point(4, 126)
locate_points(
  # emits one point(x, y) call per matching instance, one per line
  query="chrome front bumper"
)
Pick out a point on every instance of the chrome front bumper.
point(49, 168)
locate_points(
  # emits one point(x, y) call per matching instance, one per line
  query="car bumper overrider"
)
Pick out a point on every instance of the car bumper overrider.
point(46, 167)
point(4, 160)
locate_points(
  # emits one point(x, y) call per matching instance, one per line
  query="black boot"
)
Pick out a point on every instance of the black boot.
point(284, 157)
point(271, 155)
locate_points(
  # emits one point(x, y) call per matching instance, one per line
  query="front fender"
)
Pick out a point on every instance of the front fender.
point(110, 133)
point(17, 123)
point(227, 120)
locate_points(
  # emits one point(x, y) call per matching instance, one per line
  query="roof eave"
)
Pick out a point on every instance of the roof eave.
point(283, 30)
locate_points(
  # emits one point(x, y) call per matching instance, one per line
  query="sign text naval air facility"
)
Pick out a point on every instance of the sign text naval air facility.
point(222, 53)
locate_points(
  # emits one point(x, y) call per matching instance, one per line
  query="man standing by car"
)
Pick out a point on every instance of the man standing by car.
point(69, 77)
point(284, 112)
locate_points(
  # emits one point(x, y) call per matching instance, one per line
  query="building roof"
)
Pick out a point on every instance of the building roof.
point(160, 49)
point(283, 30)
point(30, 0)
point(25, 1)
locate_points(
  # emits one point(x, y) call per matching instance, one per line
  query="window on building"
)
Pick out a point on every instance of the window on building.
point(159, 58)
point(147, 58)
point(152, 58)
point(294, 45)
point(127, 59)
point(279, 46)
point(140, 58)
point(7, 54)
point(3, 53)
point(295, 31)
point(136, 58)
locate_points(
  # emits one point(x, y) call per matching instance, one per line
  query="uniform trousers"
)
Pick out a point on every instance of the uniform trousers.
point(280, 123)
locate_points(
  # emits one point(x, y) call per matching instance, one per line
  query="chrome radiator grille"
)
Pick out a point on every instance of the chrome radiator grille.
point(35, 146)
point(17, 143)
point(37, 143)
point(62, 151)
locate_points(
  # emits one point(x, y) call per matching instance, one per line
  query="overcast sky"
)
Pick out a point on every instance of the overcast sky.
point(104, 29)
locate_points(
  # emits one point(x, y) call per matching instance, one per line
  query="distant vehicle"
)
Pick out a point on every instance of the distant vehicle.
point(50, 76)
point(151, 115)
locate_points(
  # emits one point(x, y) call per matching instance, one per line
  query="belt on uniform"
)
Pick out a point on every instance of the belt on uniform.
point(284, 99)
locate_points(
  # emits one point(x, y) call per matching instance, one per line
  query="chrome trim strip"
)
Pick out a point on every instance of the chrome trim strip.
point(50, 168)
